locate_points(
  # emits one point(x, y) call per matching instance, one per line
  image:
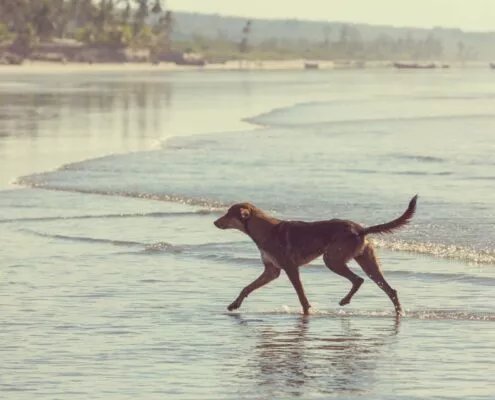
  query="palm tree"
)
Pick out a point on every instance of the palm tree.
point(327, 31)
point(140, 16)
point(243, 45)
point(157, 7)
point(84, 11)
point(14, 13)
point(461, 52)
point(168, 24)
point(126, 13)
point(105, 15)
point(43, 20)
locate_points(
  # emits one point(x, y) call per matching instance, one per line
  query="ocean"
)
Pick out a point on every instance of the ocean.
point(115, 282)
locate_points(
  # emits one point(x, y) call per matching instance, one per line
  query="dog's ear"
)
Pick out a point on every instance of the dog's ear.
point(245, 213)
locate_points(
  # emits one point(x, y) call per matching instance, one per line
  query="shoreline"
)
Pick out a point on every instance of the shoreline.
point(79, 148)
point(52, 67)
point(180, 122)
point(43, 67)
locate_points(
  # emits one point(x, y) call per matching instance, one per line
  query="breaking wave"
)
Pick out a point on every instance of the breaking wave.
point(279, 118)
point(417, 157)
point(153, 247)
point(208, 204)
point(110, 216)
point(444, 251)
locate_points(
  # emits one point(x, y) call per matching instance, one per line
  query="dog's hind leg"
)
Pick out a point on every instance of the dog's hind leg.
point(341, 268)
point(269, 274)
point(368, 262)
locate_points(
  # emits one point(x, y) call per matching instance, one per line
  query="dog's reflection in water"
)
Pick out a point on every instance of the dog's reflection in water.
point(295, 362)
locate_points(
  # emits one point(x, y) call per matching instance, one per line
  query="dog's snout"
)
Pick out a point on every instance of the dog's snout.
point(223, 222)
point(218, 223)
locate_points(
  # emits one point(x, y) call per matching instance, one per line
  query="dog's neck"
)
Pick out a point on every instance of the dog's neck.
point(258, 227)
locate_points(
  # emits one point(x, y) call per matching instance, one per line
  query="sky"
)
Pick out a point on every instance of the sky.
point(469, 15)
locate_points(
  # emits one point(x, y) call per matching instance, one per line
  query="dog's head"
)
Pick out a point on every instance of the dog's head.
point(235, 217)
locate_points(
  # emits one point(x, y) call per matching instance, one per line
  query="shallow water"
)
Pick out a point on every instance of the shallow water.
point(115, 282)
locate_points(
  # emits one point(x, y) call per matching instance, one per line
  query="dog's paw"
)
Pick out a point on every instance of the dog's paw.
point(400, 313)
point(234, 306)
point(344, 301)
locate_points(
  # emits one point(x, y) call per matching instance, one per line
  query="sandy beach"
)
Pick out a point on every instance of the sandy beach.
point(49, 67)
point(40, 67)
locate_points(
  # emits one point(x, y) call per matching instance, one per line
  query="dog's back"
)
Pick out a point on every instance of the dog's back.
point(305, 241)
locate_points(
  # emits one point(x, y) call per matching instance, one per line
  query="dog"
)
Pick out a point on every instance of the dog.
point(287, 245)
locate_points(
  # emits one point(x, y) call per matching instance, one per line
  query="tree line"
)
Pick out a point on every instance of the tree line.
point(114, 23)
point(146, 24)
point(345, 44)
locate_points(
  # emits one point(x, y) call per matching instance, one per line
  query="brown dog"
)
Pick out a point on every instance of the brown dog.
point(289, 244)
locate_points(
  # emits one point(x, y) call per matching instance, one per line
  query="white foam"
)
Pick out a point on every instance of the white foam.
point(445, 251)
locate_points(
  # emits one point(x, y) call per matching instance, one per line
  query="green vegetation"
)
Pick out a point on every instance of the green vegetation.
point(146, 25)
point(348, 46)
point(106, 23)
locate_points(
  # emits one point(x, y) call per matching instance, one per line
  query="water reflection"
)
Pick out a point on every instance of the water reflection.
point(46, 123)
point(301, 359)
point(25, 111)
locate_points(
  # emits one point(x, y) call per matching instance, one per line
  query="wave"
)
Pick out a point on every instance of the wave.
point(446, 277)
point(196, 250)
point(409, 172)
point(207, 204)
point(228, 252)
point(457, 252)
point(152, 281)
point(162, 247)
point(434, 314)
point(445, 251)
point(154, 247)
point(260, 119)
point(267, 120)
point(86, 239)
point(480, 178)
point(422, 173)
point(450, 252)
point(238, 254)
point(467, 96)
point(415, 157)
point(110, 216)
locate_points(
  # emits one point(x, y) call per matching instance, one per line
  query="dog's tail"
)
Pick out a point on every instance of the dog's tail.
point(396, 223)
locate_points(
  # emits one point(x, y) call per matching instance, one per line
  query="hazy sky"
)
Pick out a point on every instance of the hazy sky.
point(465, 14)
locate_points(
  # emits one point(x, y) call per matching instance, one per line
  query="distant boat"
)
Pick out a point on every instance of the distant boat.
point(492, 65)
point(415, 66)
point(311, 65)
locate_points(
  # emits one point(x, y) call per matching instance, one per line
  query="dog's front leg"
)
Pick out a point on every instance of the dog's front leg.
point(293, 274)
point(269, 274)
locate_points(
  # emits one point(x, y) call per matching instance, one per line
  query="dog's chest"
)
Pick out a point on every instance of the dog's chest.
point(268, 258)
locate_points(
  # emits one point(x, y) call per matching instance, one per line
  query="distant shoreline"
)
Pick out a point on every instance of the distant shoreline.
point(41, 67)
point(74, 67)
